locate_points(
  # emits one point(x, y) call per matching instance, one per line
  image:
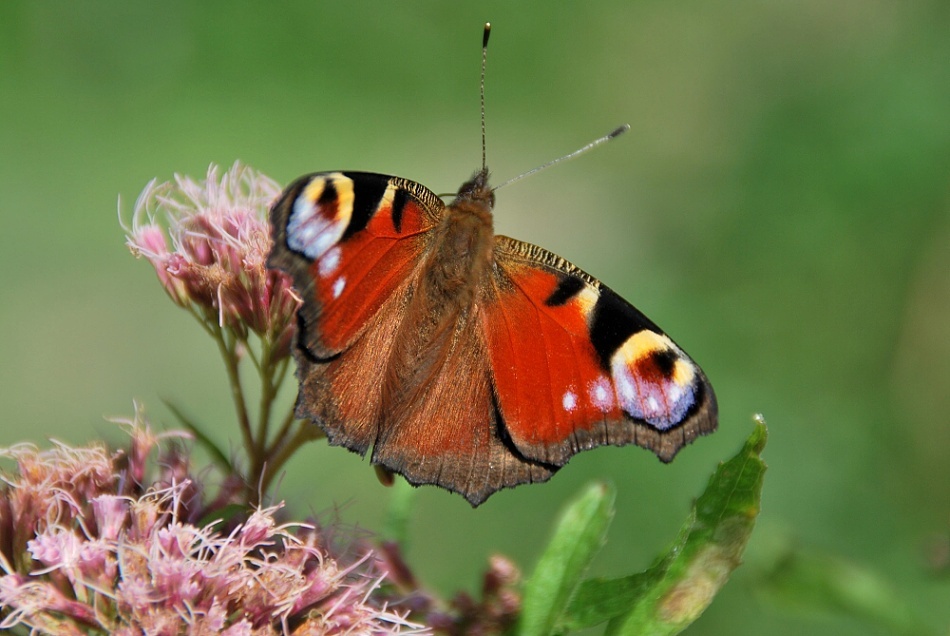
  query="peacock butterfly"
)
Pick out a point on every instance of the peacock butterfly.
point(466, 359)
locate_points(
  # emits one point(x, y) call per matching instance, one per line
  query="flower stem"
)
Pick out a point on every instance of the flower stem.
point(268, 393)
point(231, 361)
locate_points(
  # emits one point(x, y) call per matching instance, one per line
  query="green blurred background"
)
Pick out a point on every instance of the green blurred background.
point(780, 206)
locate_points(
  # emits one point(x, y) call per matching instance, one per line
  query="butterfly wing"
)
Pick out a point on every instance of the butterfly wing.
point(446, 432)
point(349, 240)
point(353, 243)
point(575, 366)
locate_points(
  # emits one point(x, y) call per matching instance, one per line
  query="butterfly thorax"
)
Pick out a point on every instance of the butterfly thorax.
point(442, 305)
point(460, 252)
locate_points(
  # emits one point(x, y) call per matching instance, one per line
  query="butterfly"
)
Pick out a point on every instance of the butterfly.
point(466, 359)
point(462, 358)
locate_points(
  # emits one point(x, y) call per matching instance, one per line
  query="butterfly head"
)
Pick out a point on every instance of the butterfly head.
point(476, 191)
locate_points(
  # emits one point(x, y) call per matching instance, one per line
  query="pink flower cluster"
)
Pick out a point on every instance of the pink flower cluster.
point(213, 255)
point(86, 547)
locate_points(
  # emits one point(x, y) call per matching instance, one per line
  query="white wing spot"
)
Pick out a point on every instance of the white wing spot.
point(339, 286)
point(329, 262)
point(601, 394)
point(569, 401)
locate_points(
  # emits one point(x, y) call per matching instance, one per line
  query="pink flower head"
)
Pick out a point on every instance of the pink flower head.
point(111, 515)
point(109, 554)
point(50, 486)
point(219, 239)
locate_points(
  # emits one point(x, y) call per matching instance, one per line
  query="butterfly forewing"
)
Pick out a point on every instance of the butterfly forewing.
point(349, 240)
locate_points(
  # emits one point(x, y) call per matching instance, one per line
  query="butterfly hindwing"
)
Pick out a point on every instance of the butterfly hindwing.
point(447, 432)
point(575, 366)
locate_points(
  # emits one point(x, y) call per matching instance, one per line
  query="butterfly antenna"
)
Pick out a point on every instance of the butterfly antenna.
point(602, 140)
point(485, 35)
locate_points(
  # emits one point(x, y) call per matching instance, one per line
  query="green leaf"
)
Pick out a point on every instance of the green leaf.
point(578, 536)
point(599, 600)
point(681, 583)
